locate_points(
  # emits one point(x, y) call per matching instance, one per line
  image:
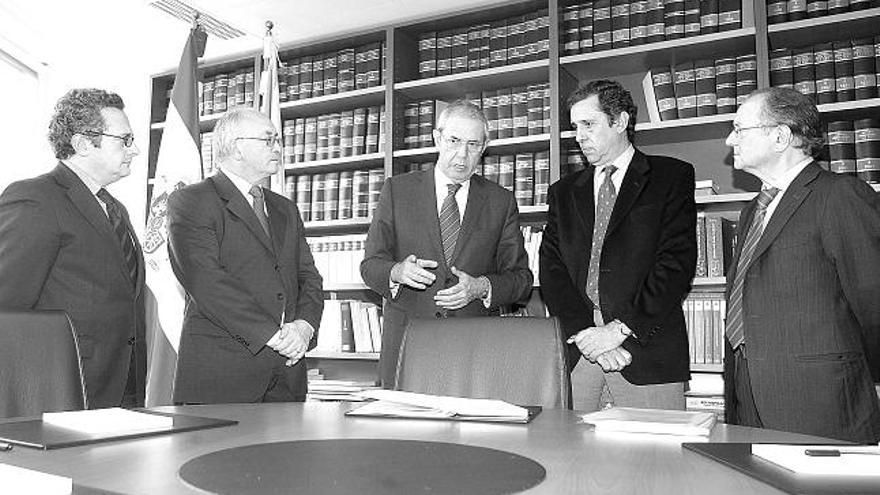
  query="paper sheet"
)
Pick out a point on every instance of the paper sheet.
point(793, 458)
point(449, 406)
point(110, 420)
point(659, 421)
point(22, 480)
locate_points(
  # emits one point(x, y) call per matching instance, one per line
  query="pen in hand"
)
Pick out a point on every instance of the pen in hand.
point(838, 453)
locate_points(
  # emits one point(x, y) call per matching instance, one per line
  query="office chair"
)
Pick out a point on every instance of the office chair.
point(40, 366)
point(518, 360)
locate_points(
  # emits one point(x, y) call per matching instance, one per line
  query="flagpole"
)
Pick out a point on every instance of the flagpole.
point(269, 99)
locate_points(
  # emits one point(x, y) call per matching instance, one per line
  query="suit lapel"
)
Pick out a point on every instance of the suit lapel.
point(427, 201)
point(84, 200)
point(139, 283)
point(238, 206)
point(633, 183)
point(791, 200)
point(278, 220)
point(585, 209)
point(475, 204)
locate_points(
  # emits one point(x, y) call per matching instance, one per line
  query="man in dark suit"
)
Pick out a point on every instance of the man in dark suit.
point(804, 282)
point(67, 244)
point(444, 242)
point(617, 259)
point(254, 298)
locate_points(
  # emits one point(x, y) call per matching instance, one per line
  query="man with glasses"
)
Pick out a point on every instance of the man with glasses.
point(803, 288)
point(444, 242)
point(253, 295)
point(67, 244)
point(617, 258)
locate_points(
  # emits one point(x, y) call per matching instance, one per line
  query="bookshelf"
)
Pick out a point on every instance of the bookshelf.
point(546, 61)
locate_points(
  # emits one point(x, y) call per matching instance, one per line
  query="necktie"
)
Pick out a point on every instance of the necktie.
point(259, 206)
point(450, 223)
point(604, 207)
point(735, 324)
point(115, 214)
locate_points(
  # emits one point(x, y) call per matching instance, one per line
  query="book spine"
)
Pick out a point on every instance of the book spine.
point(542, 176)
point(485, 46)
point(796, 9)
point(691, 18)
point(310, 152)
point(299, 140)
point(505, 114)
point(867, 138)
point(714, 256)
point(346, 133)
point(619, 23)
point(841, 147)
point(490, 168)
point(372, 138)
point(331, 74)
point(545, 89)
point(376, 179)
point(708, 16)
point(427, 54)
point(505, 172)
point(459, 50)
point(725, 84)
point(777, 11)
point(844, 82)
point(334, 135)
point(411, 126)
point(345, 71)
point(323, 146)
point(704, 81)
point(729, 15)
point(305, 78)
point(817, 8)
point(864, 69)
point(292, 81)
point(374, 64)
point(425, 123)
point(304, 196)
point(331, 196)
point(290, 187)
point(221, 86)
point(685, 90)
point(803, 68)
point(585, 27)
point(490, 110)
point(208, 97)
point(288, 136)
point(473, 48)
point(570, 43)
point(535, 110)
point(360, 185)
point(823, 56)
point(360, 67)
point(520, 110)
point(664, 90)
point(602, 37)
point(656, 19)
point(702, 266)
point(673, 18)
point(318, 75)
point(638, 22)
point(498, 44)
point(524, 179)
point(318, 185)
point(359, 138)
point(781, 68)
point(444, 52)
point(746, 77)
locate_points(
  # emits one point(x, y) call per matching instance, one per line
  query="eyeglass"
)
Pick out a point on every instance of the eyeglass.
point(127, 139)
point(739, 130)
point(456, 144)
point(270, 141)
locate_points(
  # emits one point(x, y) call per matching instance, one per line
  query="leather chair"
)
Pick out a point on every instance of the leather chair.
point(40, 366)
point(518, 360)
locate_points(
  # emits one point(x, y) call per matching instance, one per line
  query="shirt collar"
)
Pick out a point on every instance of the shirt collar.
point(440, 182)
point(242, 185)
point(786, 178)
point(92, 185)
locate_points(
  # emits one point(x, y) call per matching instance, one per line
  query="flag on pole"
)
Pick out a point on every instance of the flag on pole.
point(179, 164)
point(269, 101)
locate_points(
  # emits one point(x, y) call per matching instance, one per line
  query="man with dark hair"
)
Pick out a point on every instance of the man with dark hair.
point(67, 244)
point(617, 259)
point(803, 310)
point(444, 242)
point(253, 295)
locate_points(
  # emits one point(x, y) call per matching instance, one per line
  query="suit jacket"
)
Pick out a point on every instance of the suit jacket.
point(406, 222)
point(647, 262)
point(811, 303)
point(239, 285)
point(58, 250)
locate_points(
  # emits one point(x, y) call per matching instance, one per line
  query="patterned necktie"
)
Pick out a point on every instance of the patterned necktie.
point(115, 214)
point(450, 223)
point(259, 206)
point(604, 207)
point(735, 324)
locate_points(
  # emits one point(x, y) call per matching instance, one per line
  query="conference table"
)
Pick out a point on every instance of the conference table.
point(576, 458)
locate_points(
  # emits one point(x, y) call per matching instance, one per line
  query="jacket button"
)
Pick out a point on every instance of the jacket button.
point(280, 296)
point(131, 341)
point(438, 315)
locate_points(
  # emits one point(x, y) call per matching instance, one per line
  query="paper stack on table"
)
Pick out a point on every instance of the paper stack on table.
point(395, 403)
point(849, 460)
point(632, 420)
point(110, 420)
point(22, 480)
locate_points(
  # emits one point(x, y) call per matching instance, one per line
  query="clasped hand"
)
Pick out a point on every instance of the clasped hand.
point(602, 345)
point(293, 341)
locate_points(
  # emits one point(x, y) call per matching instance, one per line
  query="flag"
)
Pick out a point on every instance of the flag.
point(269, 101)
point(179, 164)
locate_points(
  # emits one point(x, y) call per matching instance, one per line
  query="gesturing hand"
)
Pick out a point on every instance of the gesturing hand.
point(412, 272)
point(459, 295)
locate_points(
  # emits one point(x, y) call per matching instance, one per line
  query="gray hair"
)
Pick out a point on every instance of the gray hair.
point(227, 129)
point(465, 109)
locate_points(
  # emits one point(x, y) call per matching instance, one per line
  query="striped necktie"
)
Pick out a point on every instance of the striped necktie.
point(735, 324)
point(115, 212)
point(259, 206)
point(450, 223)
point(604, 207)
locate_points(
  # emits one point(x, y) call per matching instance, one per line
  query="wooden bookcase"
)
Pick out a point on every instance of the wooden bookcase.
point(698, 140)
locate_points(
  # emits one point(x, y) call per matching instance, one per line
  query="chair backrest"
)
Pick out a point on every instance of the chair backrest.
point(518, 360)
point(40, 366)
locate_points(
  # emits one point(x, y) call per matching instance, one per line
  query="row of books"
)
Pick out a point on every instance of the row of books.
point(338, 257)
point(843, 70)
point(512, 40)
point(526, 174)
point(350, 325)
point(339, 134)
point(226, 91)
point(336, 195)
point(854, 148)
point(328, 73)
point(716, 237)
point(796, 10)
point(704, 314)
point(696, 89)
point(604, 24)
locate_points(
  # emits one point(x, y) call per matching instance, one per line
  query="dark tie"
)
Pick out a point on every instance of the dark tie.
point(115, 212)
point(450, 223)
point(259, 205)
point(735, 324)
point(604, 207)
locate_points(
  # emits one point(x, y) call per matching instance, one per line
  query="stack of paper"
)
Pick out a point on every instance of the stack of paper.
point(399, 404)
point(341, 390)
point(22, 480)
point(853, 460)
point(110, 420)
point(628, 419)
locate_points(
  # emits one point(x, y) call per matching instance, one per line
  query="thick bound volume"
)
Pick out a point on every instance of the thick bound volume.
point(331, 196)
point(346, 133)
point(515, 39)
point(702, 266)
point(382, 127)
point(520, 109)
point(305, 78)
point(864, 69)
point(310, 153)
point(725, 84)
point(360, 186)
point(359, 138)
point(719, 244)
point(524, 179)
point(505, 172)
point(619, 23)
point(704, 81)
point(490, 110)
point(208, 97)
point(685, 90)
point(841, 147)
point(345, 194)
point(861, 4)
point(545, 89)
point(299, 140)
point(376, 178)
point(804, 68)
point(497, 43)
point(426, 123)
point(372, 139)
point(373, 58)
point(673, 17)
point(542, 176)
point(571, 30)
point(304, 196)
point(823, 55)
point(843, 70)
point(288, 133)
point(318, 185)
point(290, 187)
point(838, 6)
point(345, 78)
point(292, 82)
point(797, 10)
point(729, 15)
point(323, 146)
point(746, 77)
point(664, 91)
point(535, 118)
point(781, 68)
point(585, 25)
point(708, 16)
point(361, 66)
point(777, 11)
point(411, 125)
point(601, 25)
point(817, 8)
point(542, 21)
point(473, 48)
point(485, 50)
point(505, 114)
point(318, 75)
point(867, 134)
point(490, 168)
point(330, 74)
point(334, 135)
point(638, 22)
point(691, 18)
point(459, 50)
point(656, 21)
point(221, 84)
